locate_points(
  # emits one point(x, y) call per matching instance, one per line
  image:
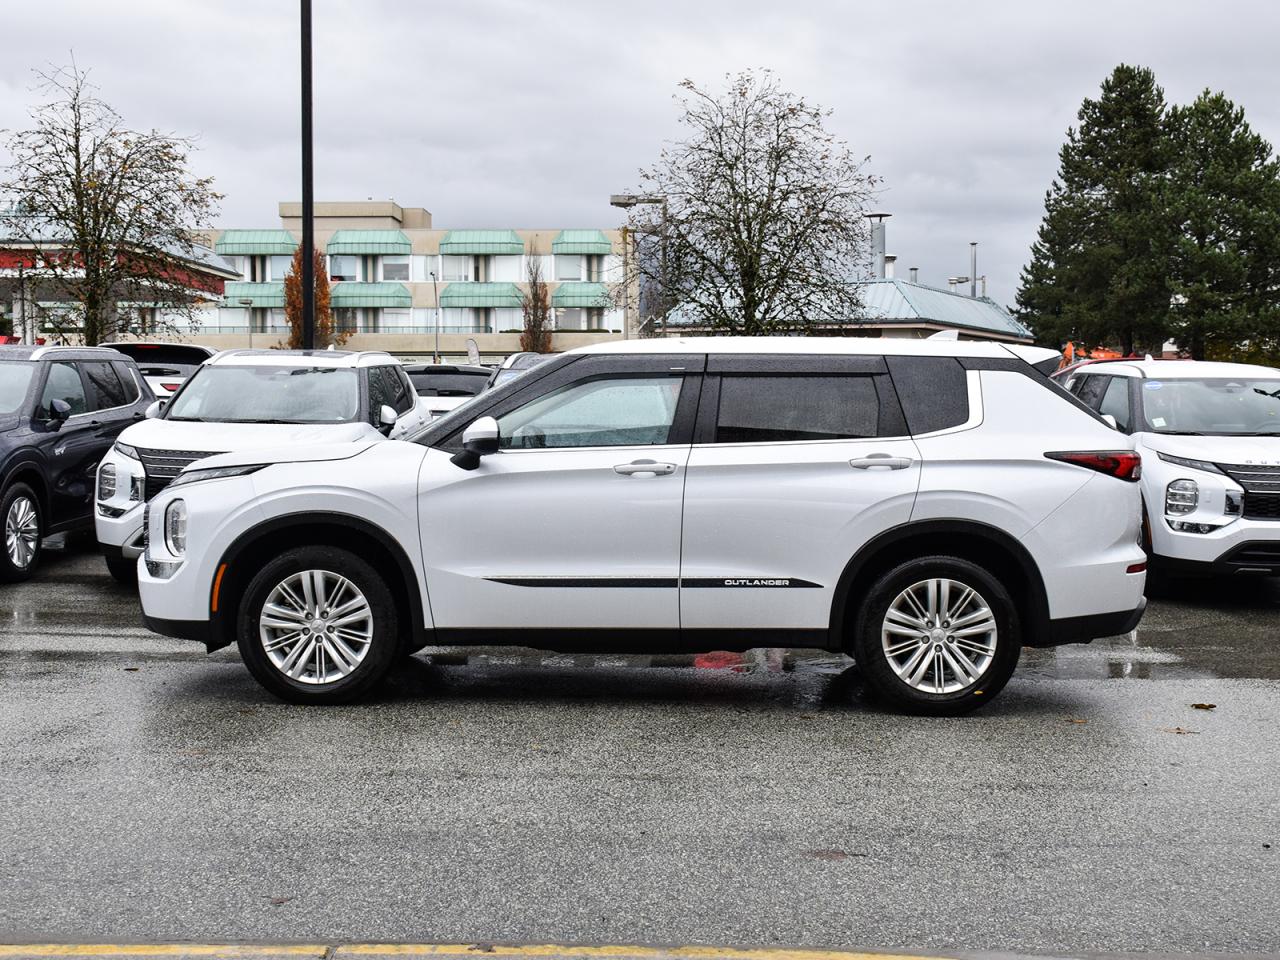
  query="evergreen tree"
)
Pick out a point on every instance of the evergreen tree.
point(1099, 266)
point(1224, 210)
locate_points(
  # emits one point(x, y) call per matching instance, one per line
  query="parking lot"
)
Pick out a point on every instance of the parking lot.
point(150, 792)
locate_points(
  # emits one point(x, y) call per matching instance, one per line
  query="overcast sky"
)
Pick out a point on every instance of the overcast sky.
point(519, 113)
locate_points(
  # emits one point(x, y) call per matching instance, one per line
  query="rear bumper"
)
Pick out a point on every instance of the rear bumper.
point(1084, 629)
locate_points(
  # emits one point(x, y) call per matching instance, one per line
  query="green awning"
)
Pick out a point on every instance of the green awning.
point(359, 242)
point(355, 294)
point(249, 243)
point(580, 295)
point(262, 294)
point(590, 242)
point(480, 295)
point(463, 242)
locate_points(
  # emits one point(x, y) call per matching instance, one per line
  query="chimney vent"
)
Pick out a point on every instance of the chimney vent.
point(915, 274)
point(889, 260)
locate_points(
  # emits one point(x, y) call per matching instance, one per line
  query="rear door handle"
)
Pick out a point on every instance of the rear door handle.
point(880, 460)
point(645, 468)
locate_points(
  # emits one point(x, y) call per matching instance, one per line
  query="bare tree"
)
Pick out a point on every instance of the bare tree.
point(535, 304)
point(760, 225)
point(111, 210)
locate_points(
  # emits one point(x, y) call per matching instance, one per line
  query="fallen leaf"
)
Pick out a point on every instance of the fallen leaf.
point(277, 901)
point(833, 854)
point(1075, 719)
point(130, 669)
point(1204, 706)
point(1181, 731)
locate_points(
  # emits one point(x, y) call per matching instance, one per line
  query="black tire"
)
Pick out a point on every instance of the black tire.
point(875, 663)
point(124, 571)
point(10, 570)
point(381, 627)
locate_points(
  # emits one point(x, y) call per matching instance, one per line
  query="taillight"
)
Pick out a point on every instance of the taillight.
point(1121, 464)
point(171, 386)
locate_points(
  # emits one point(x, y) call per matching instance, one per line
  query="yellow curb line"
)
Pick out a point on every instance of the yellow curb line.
point(432, 950)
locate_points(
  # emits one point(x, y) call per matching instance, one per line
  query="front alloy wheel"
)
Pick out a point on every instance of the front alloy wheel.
point(318, 625)
point(22, 536)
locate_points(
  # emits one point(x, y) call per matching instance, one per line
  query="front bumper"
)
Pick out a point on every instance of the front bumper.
point(198, 630)
point(1256, 558)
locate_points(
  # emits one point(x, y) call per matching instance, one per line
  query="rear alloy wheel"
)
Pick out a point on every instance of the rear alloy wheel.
point(318, 625)
point(937, 636)
point(22, 539)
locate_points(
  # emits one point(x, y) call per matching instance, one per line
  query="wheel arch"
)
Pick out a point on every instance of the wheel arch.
point(30, 472)
point(971, 540)
point(244, 557)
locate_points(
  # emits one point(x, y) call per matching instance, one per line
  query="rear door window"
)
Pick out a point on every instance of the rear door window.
point(105, 389)
point(790, 407)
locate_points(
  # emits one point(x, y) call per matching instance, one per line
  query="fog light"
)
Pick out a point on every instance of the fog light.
point(1182, 526)
point(1234, 504)
point(1181, 496)
point(106, 481)
point(136, 484)
point(175, 527)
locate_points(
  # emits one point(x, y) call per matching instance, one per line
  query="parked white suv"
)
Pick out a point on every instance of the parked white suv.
point(1209, 436)
point(928, 507)
point(247, 400)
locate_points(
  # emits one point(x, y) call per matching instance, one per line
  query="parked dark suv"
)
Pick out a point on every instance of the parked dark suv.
point(61, 408)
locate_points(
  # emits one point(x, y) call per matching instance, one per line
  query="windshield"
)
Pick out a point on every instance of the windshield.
point(15, 377)
point(1212, 406)
point(268, 394)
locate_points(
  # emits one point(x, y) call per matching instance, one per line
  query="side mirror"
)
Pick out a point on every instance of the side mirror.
point(387, 417)
point(1111, 420)
point(153, 411)
point(59, 410)
point(479, 440)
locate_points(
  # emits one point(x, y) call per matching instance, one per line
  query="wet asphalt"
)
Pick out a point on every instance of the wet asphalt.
point(149, 792)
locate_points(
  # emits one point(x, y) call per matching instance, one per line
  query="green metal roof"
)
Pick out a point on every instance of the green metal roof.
point(481, 242)
point(355, 294)
point(262, 294)
point(592, 242)
point(580, 295)
point(480, 295)
point(239, 243)
point(893, 300)
point(368, 241)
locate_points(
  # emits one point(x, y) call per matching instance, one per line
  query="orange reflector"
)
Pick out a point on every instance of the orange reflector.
point(217, 584)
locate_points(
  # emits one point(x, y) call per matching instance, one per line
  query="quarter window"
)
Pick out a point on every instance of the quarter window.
point(105, 389)
point(63, 383)
point(606, 412)
point(766, 409)
point(1116, 402)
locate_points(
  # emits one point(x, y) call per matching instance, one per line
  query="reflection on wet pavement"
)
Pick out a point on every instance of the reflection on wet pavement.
point(1192, 630)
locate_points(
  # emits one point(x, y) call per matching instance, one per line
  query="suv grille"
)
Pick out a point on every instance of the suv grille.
point(161, 466)
point(1261, 489)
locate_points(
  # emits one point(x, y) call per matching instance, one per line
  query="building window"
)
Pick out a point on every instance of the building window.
point(346, 319)
point(508, 318)
point(278, 267)
point(395, 320)
point(395, 267)
point(344, 268)
point(464, 320)
point(232, 320)
point(571, 318)
point(457, 268)
point(506, 268)
point(568, 267)
point(237, 264)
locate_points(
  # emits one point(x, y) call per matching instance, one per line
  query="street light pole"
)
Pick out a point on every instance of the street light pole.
point(308, 195)
point(625, 201)
point(435, 288)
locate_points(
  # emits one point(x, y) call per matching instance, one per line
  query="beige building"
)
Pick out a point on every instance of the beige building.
point(397, 282)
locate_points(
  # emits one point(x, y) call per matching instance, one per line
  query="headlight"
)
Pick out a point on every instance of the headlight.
point(175, 527)
point(1204, 465)
point(106, 481)
point(215, 473)
point(126, 451)
point(1181, 496)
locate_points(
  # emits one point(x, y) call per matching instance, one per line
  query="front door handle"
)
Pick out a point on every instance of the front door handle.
point(880, 461)
point(645, 468)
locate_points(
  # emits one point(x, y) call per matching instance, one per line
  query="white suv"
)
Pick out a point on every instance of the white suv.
point(247, 400)
point(1209, 436)
point(927, 507)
